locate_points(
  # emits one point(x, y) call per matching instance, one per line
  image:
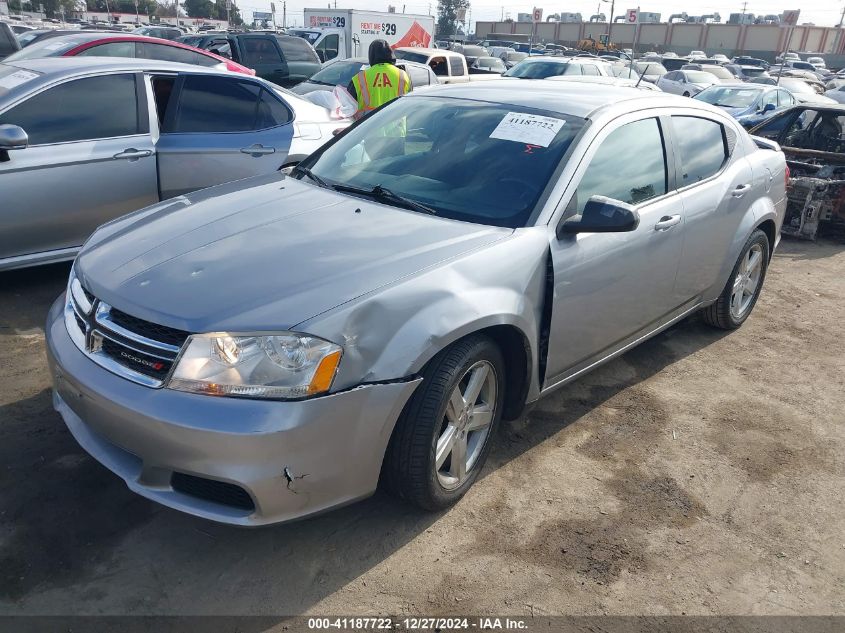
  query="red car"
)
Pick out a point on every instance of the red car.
point(102, 44)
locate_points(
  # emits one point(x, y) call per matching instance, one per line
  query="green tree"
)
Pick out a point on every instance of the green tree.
point(199, 8)
point(447, 16)
point(234, 14)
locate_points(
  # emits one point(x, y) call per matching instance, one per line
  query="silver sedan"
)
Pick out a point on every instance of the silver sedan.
point(275, 347)
point(85, 140)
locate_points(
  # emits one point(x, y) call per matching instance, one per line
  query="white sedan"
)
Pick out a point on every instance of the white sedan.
point(687, 83)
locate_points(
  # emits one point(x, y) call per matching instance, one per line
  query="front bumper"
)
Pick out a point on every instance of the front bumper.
point(293, 459)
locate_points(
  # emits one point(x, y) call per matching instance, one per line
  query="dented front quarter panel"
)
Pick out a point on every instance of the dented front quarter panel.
point(392, 332)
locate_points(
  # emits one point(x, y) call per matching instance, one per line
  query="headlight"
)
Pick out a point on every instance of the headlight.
point(283, 365)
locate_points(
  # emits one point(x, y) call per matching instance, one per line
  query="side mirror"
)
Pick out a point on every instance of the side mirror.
point(769, 107)
point(13, 137)
point(602, 215)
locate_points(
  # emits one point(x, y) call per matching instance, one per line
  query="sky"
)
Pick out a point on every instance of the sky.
point(820, 12)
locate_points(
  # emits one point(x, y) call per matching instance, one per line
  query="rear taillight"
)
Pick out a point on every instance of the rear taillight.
point(786, 176)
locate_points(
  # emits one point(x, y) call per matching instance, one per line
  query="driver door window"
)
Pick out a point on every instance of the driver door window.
point(769, 97)
point(613, 174)
point(438, 65)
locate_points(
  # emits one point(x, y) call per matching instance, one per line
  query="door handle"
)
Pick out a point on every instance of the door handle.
point(741, 190)
point(258, 150)
point(133, 154)
point(667, 222)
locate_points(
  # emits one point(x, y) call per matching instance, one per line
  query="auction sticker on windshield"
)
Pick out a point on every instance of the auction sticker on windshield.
point(16, 79)
point(532, 129)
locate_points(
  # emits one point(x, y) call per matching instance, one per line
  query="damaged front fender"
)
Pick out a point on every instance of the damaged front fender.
point(395, 330)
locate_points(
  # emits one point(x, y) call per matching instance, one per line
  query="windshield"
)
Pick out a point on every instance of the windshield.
point(410, 56)
point(729, 97)
point(699, 77)
point(309, 36)
point(27, 37)
point(649, 68)
point(718, 71)
point(624, 71)
point(467, 160)
point(516, 56)
point(337, 74)
point(754, 71)
point(48, 47)
point(538, 68)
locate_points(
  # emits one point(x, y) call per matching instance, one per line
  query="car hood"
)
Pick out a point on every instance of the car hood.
point(262, 254)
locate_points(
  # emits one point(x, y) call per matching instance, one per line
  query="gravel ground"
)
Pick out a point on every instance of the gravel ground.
point(701, 473)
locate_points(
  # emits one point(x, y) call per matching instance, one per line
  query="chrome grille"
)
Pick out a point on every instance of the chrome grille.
point(133, 348)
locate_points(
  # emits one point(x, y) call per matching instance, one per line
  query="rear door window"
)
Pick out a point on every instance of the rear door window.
point(79, 110)
point(112, 49)
point(296, 49)
point(456, 65)
point(702, 147)
point(213, 104)
point(785, 99)
point(259, 51)
point(770, 97)
point(167, 53)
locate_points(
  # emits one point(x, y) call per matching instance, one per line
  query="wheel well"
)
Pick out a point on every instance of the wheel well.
point(768, 227)
point(517, 353)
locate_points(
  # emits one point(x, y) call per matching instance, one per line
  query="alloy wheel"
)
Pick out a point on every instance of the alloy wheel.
point(466, 424)
point(747, 281)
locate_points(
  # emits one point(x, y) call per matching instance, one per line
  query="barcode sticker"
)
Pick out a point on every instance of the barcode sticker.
point(16, 79)
point(530, 129)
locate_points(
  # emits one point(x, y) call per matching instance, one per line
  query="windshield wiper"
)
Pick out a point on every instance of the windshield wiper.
point(386, 195)
point(307, 172)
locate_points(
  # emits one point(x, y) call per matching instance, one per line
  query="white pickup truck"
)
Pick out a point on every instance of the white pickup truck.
point(449, 66)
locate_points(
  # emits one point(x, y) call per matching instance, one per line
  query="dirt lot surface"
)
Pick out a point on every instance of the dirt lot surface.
point(702, 473)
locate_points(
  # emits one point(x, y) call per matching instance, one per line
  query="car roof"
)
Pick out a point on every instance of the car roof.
point(55, 68)
point(575, 99)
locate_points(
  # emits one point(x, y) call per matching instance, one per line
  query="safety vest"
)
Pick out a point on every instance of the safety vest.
point(379, 84)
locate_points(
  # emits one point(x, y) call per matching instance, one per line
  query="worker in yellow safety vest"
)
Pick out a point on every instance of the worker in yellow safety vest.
point(381, 82)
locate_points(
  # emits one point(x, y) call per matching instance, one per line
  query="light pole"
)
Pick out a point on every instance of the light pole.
point(612, 4)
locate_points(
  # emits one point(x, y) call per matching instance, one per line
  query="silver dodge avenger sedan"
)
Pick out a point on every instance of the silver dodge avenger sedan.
point(274, 347)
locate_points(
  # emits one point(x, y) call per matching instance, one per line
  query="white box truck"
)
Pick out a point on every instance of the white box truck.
point(343, 33)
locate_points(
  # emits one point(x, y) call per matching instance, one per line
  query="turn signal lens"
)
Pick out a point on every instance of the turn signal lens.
point(325, 373)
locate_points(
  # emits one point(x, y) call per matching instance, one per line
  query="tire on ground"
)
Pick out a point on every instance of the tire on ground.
point(409, 470)
point(718, 314)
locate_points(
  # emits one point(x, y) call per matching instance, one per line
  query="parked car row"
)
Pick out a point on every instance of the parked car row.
point(114, 135)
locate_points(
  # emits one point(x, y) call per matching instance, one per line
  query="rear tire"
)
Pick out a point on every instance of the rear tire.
point(743, 288)
point(686, 94)
point(443, 436)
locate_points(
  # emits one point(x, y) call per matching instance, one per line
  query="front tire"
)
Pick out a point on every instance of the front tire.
point(740, 294)
point(443, 436)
